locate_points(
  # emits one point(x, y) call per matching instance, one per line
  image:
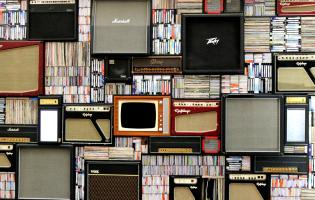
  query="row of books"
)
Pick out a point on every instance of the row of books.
point(259, 8)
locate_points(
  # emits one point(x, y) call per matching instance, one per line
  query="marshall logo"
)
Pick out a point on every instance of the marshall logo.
point(95, 171)
point(180, 111)
point(156, 62)
point(301, 63)
point(213, 41)
point(261, 184)
point(87, 114)
point(121, 21)
point(13, 129)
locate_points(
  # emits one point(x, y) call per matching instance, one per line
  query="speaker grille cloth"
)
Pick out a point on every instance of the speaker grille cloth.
point(4, 161)
point(81, 129)
point(44, 173)
point(113, 187)
point(104, 124)
point(252, 125)
point(120, 37)
point(181, 193)
point(244, 191)
point(196, 122)
point(19, 75)
point(294, 79)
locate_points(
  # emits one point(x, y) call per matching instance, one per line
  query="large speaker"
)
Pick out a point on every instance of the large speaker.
point(121, 29)
point(212, 43)
point(113, 180)
point(52, 20)
point(118, 69)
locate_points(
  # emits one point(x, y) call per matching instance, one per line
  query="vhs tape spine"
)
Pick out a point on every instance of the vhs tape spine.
point(151, 84)
point(84, 20)
point(260, 8)
point(97, 80)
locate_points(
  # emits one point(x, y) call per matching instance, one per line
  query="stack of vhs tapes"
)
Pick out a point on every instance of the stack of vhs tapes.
point(112, 89)
point(257, 32)
point(84, 20)
point(259, 8)
point(307, 32)
point(2, 110)
point(151, 84)
point(97, 80)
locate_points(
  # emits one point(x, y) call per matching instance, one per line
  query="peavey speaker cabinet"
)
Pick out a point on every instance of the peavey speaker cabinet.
point(109, 180)
point(121, 29)
point(212, 43)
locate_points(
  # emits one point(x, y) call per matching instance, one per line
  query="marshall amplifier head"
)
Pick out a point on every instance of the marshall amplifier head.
point(49, 118)
point(294, 73)
point(296, 124)
point(212, 43)
point(295, 7)
point(118, 69)
point(87, 124)
point(157, 65)
point(211, 144)
point(185, 187)
point(248, 187)
point(194, 117)
point(109, 180)
point(121, 29)
point(175, 145)
point(52, 20)
point(297, 164)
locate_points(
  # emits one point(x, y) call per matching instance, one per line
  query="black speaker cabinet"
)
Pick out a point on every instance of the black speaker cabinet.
point(118, 69)
point(109, 180)
point(52, 20)
point(212, 43)
point(121, 26)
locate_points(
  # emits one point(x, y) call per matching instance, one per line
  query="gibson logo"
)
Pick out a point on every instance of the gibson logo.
point(121, 21)
point(87, 114)
point(261, 184)
point(13, 129)
point(301, 63)
point(213, 41)
point(182, 111)
point(95, 171)
point(156, 62)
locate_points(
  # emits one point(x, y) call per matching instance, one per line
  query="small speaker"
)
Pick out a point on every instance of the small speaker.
point(118, 70)
point(212, 43)
point(109, 180)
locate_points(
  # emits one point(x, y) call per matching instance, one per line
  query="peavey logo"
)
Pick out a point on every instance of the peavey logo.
point(87, 114)
point(121, 21)
point(213, 41)
point(301, 63)
point(95, 171)
point(13, 129)
point(261, 184)
point(193, 187)
point(180, 111)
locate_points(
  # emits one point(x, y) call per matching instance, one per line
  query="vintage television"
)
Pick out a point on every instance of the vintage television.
point(247, 186)
point(50, 119)
point(22, 64)
point(287, 164)
point(186, 187)
point(294, 73)
point(175, 145)
point(212, 43)
point(52, 20)
point(87, 124)
point(157, 65)
point(121, 29)
point(118, 69)
point(108, 180)
point(253, 124)
point(296, 124)
point(295, 7)
point(45, 172)
point(142, 115)
point(196, 117)
point(213, 6)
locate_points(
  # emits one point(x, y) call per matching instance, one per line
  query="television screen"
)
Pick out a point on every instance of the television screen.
point(146, 115)
point(253, 124)
point(49, 125)
point(44, 172)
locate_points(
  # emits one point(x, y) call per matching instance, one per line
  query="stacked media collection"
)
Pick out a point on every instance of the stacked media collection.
point(157, 99)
